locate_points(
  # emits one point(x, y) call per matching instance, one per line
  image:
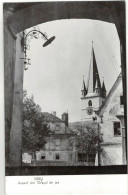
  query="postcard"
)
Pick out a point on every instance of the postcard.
point(65, 97)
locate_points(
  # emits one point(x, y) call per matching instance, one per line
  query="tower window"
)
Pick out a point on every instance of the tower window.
point(89, 103)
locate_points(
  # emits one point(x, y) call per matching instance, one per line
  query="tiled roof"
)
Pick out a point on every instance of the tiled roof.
point(50, 117)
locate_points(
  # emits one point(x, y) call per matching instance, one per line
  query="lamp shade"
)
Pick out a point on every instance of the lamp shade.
point(48, 41)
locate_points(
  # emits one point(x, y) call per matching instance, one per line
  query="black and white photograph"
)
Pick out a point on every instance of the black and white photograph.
point(65, 88)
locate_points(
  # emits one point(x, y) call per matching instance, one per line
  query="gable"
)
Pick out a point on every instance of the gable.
point(56, 125)
point(112, 101)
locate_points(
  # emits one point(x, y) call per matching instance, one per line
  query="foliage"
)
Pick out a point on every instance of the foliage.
point(88, 140)
point(35, 130)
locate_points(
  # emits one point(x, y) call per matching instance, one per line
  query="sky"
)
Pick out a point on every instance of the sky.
point(56, 73)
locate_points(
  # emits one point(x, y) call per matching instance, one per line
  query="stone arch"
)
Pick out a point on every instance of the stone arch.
point(18, 17)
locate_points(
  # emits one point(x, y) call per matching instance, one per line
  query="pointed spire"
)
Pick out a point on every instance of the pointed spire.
point(83, 86)
point(103, 89)
point(96, 85)
point(93, 74)
point(97, 89)
point(84, 90)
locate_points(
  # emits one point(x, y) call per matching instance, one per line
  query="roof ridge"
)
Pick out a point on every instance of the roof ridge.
point(50, 114)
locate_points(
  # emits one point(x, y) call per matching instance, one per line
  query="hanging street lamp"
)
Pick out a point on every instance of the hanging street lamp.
point(34, 33)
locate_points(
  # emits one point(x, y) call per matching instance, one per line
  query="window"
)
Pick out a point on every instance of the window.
point(57, 142)
point(82, 157)
point(57, 127)
point(117, 131)
point(121, 100)
point(89, 103)
point(94, 118)
point(91, 157)
point(42, 157)
point(57, 156)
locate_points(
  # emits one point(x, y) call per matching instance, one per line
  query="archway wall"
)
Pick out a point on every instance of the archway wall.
point(20, 16)
point(15, 137)
point(50, 11)
point(9, 71)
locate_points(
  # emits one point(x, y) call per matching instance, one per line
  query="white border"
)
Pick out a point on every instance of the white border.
point(2, 143)
point(87, 184)
point(68, 185)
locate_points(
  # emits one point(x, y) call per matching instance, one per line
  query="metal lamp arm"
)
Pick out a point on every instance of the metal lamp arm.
point(25, 46)
point(36, 31)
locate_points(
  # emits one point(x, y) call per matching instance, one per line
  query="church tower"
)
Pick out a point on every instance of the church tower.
point(93, 95)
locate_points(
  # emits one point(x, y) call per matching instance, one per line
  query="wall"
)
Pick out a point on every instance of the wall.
point(109, 116)
point(61, 127)
point(65, 149)
point(9, 69)
point(16, 126)
point(112, 155)
point(96, 103)
point(65, 156)
point(112, 145)
point(13, 70)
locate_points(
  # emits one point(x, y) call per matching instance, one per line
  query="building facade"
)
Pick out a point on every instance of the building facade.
point(110, 126)
point(60, 147)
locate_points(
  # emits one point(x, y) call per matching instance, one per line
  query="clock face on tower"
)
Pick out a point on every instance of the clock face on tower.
point(89, 110)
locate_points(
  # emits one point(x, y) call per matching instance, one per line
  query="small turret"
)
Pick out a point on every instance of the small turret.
point(103, 90)
point(84, 90)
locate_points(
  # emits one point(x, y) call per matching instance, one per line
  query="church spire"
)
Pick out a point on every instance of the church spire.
point(84, 90)
point(93, 95)
point(93, 74)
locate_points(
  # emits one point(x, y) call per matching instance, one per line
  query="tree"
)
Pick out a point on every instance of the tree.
point(35, 130)
point(88, 141)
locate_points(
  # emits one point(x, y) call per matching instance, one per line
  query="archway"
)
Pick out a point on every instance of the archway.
point(18, 17)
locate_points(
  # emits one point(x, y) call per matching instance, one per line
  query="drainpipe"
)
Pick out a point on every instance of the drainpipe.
point(98, 130)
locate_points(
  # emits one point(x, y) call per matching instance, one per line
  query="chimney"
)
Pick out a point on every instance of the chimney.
point(65, 118)
point(54, 113)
